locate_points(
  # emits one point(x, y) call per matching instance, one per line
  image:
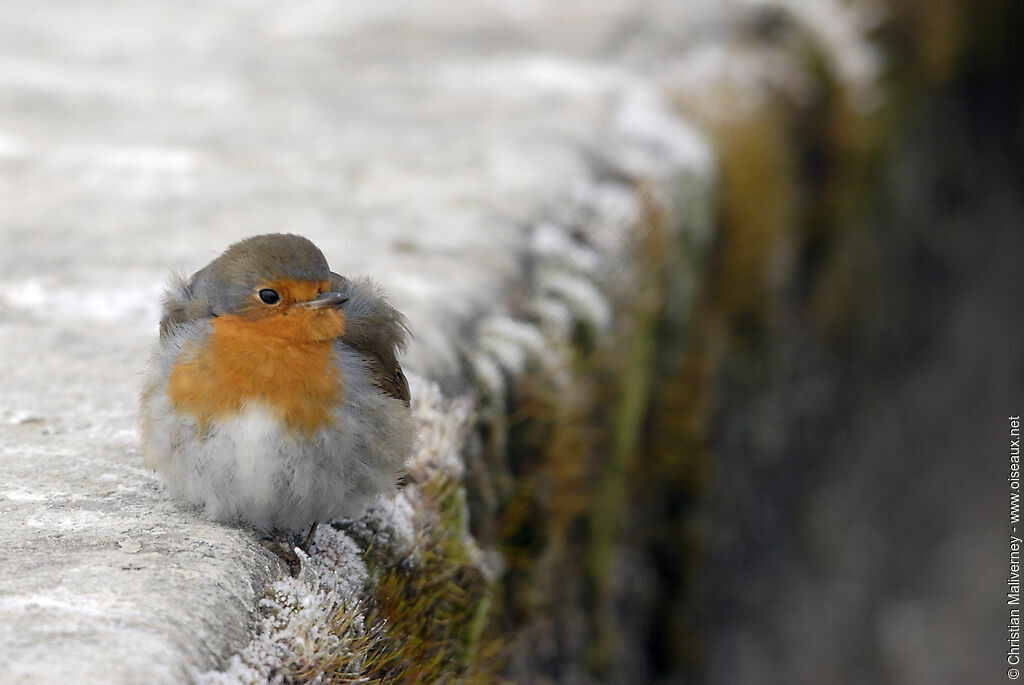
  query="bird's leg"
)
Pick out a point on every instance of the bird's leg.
point(309, 538)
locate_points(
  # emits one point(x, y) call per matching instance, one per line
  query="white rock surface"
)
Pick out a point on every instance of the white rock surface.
point(414, 144)
point(417, 143)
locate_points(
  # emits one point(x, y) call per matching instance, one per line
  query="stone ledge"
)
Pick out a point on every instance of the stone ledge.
point(495, 187)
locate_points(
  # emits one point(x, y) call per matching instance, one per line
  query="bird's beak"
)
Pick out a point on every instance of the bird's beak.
point(324, 300)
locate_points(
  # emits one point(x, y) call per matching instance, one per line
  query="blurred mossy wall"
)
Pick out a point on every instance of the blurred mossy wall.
point(643, 518)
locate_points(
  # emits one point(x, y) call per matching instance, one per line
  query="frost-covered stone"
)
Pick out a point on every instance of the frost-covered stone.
point(415, 143)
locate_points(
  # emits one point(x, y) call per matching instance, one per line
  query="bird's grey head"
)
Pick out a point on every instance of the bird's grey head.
point(228, 283)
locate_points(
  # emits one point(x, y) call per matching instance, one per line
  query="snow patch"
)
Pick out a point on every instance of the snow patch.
point(582, 296)
point(297, 615)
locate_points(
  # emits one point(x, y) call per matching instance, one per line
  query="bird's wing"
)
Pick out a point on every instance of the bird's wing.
point(377, 330)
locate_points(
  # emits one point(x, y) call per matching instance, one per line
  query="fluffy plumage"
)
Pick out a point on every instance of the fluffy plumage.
point(277, 415)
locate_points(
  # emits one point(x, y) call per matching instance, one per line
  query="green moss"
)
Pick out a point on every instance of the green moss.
point(631, 384)
point(435, 602)
point(428, 615)
point(610, 503)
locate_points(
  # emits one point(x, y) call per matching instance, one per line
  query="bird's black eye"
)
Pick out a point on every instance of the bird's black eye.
point(269, 296)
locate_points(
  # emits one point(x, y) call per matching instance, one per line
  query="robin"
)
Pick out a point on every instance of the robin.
point(274, 397)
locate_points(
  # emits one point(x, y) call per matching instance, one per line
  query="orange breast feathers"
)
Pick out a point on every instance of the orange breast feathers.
point(280, 358)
